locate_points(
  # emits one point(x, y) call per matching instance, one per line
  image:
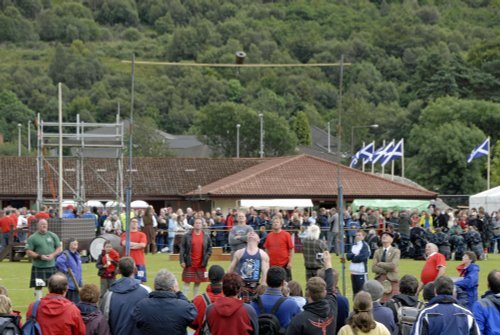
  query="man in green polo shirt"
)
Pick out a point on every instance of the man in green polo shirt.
point(42, 247)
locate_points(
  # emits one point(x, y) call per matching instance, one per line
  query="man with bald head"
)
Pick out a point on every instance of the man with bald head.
point(435, 265)
point(42, 247)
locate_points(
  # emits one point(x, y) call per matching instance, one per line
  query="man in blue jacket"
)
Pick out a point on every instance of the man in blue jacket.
point(487, 310)
point(165, 306)
point(443, 315)
point(360, 252)
point(118, 303)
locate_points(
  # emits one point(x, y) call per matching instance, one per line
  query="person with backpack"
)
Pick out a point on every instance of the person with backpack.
point(10, 324)
point(70, 263)
point(487, 309)
point(320, 312)
point(273, 302)
point(229, 314)
point(212, 294)
point(54, 314)
point(405, 306)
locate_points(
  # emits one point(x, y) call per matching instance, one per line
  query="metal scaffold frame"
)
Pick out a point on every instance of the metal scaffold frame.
point(74, 139)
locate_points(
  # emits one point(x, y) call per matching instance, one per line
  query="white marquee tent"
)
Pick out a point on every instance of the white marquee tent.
point(489, 199)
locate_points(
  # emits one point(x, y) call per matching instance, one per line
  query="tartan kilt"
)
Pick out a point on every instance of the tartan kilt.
point(41, 273)
point(194, 275)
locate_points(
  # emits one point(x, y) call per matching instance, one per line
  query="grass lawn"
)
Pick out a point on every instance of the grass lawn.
point(15, 276)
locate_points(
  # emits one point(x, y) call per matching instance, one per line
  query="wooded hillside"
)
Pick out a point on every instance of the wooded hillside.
point(427, 71)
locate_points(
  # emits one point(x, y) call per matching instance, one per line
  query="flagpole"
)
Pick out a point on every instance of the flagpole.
point(489, 163)
point(363, 165)
point(383, 167)
point(373, 165)
point(392, 166)
point(403, 158)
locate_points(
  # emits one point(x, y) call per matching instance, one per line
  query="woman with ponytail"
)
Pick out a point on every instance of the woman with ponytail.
point(361, 319)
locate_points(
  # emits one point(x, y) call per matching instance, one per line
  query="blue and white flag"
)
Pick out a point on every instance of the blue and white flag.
point(354, 161)
point(381, 152)
point(481, 150)
point(366, 152)
point(395, 153)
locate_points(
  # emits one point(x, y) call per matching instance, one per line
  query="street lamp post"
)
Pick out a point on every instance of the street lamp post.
point(261, 117)
point(352, 134)
point(238, 140)
point(19, 139)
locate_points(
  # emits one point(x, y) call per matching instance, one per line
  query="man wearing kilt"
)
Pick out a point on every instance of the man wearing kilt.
point(196, 249)
point(42, 247)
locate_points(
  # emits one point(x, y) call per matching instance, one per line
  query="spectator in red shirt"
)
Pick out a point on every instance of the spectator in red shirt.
point(138, 242)
point(435, 265)
point(279, 247)
point(6, 223)
point(196, 249)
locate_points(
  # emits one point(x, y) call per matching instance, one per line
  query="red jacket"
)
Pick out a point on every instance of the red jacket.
point(201, 306)
point(230, 315)
point(57, 315)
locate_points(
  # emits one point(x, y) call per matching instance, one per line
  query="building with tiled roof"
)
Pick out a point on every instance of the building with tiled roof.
point(206, 182)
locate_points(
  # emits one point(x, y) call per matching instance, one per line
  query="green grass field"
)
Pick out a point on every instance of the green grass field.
point(15, 276)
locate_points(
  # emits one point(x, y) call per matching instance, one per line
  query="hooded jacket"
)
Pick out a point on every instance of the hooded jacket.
point(57, 315)
point(469, 283)
point(94, 321)
point(230, 315)
point(487, 314)
point(318, 317)
point(161, 309)
point(118, 305)
point(70, 260)
point(444, 316)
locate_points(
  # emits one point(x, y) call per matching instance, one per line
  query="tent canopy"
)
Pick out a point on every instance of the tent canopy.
point(276, 203)
point(391, 204)
point(489, 199)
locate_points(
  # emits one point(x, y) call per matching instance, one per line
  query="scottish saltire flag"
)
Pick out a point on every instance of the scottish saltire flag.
point(381, 152)
point(366, 153)
point(395, 153)
point(354, 160)
point(481, 150)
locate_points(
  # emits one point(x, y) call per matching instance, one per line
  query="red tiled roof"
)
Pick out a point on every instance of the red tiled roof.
point(158, 178)
point(307, 176)
point(174, 178)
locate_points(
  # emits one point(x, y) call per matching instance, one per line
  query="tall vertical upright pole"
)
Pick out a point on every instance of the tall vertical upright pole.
point(238, 140)
point(339, 179)
point(29, 136)
point(19, 152)
point(129, 188)
point(261, 117)
point(329, 140)
point(489, 164)
point(61, 170)
point(39, 163)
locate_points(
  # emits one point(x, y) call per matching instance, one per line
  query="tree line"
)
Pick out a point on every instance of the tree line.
point(427, 71)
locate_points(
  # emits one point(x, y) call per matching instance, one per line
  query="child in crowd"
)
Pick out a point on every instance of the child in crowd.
point(296, 293)
point(107, 263)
